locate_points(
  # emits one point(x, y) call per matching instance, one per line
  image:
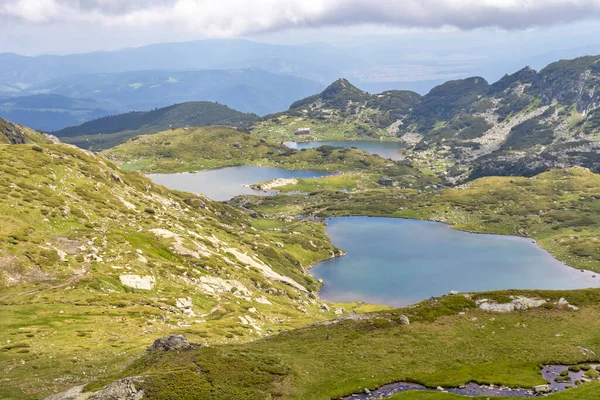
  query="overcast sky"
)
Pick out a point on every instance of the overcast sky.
point(61, 26)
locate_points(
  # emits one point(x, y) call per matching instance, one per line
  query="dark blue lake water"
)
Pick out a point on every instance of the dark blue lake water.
point(400, 262)
point(225, 183)
point(383, 149)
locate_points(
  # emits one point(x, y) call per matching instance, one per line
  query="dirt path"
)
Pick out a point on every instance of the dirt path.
point(74, 279)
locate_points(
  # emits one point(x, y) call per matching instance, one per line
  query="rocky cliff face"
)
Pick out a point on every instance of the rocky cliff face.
point(11, 133)
point(15, 134)
point(524, 124)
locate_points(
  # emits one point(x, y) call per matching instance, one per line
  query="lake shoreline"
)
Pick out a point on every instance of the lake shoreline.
point(550, 273)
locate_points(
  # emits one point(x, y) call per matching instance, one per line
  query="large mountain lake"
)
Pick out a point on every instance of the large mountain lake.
point(390, 150)
point(225, 183)
point(400, 262)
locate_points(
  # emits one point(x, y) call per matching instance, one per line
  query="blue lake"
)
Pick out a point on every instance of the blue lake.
point(390, 150)
point(226, 183)
point(400, 262)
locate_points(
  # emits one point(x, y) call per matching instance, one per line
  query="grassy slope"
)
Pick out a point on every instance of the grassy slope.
point(283, 127)
point(440, 347)
point(64, 321)
point(558, 209)
point(341, 111)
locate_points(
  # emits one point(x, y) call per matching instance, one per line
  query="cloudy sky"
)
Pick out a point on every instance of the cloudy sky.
point(60, 26)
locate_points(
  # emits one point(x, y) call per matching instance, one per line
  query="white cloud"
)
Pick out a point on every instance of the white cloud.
point(243, 17)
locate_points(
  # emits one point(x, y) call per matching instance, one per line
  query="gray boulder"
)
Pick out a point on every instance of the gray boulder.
point(542, 389)
point(123, 389)
point(170, 343)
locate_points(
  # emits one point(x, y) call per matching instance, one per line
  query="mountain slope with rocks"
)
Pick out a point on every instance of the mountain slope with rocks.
point(341, 111)
point(16, 134)
point(96, 262)
point(523, 124)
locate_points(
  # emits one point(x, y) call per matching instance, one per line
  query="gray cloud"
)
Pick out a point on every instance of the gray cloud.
point(242, 17)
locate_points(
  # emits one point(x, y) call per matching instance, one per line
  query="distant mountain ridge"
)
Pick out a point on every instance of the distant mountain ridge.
point(249, 90)
point(313, 62)
point(523, 124)
point(49, 112)
point(115, 129)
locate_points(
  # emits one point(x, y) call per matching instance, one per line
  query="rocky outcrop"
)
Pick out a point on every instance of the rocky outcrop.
point(138, 282)
point(542, 389)
point(275, 183)
point(51, 138)
point(519, 303)
point(12, 133)
point(170, 343)
point(122, 389)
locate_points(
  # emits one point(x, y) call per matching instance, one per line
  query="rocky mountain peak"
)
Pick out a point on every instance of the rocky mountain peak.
point(342, 88)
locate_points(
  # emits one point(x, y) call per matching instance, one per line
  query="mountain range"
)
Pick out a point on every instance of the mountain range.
point(523, 124)
point(249, 76)
point(72, 100)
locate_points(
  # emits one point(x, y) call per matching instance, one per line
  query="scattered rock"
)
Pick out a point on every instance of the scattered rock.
point(542, 389)
point(138, 282)
point(520, 303)
point(116, 178)
point(183, 303)
point(404, 320)
point(275, 183)
point(170, 343)
point(562, 302)
point(325, 307)
point(122, 389)
point(263, 300)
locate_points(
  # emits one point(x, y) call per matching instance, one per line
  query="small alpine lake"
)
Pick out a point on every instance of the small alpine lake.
point(399, 262)
point(226, 183)
point(390, 150)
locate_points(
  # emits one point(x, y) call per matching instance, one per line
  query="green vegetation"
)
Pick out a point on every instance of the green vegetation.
point(107, 132)
point(449, 342)
point(96, 261)
point(342, 111)
point(211, 147)
point(445, 101)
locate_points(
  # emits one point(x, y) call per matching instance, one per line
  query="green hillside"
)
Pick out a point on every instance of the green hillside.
point(342, 111)
point(96, 262)
point(110, 131)
point(202, 148)
point(449, 342)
